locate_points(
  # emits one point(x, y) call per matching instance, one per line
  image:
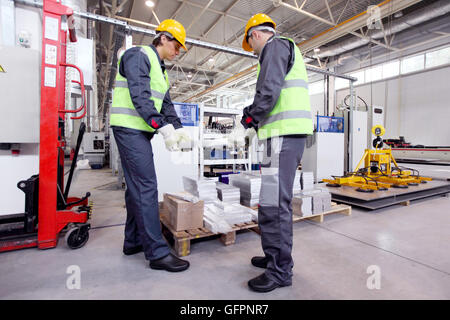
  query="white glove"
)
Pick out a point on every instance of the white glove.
point(184, 139)
point(238, 135)
point(170, 137)
point(250, 133)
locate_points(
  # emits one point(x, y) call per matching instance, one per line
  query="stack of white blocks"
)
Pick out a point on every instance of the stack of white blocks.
point(228, 193)
point(250, 186)
point(204, 189)
point(307, 180)
point(297, 182)
point(314, 201)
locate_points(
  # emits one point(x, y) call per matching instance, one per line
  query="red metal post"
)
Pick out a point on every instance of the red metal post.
point(54, 42)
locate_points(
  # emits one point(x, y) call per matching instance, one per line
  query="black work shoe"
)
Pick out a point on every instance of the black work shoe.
point(260, 262)
point(263, 284)
point(132, 250)
point(170, 263)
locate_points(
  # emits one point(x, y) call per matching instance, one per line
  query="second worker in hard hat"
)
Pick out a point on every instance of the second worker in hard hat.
point(280, 115)
point(140, 108)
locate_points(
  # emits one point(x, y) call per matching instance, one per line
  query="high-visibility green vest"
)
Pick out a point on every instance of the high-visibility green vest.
point(292, 111)
point(123, 113)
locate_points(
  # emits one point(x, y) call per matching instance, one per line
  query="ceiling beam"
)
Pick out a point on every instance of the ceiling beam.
point(387, 7)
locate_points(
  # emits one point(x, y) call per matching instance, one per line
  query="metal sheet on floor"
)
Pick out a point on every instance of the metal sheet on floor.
point(380, 199)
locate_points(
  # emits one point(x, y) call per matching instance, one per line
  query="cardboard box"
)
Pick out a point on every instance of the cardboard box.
point(163, 212)
point(183, 215)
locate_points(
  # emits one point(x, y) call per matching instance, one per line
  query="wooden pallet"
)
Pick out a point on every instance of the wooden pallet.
point(335, 208)
point(182, 239)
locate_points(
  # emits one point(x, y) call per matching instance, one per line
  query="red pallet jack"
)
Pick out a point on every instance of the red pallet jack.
point(48, 208)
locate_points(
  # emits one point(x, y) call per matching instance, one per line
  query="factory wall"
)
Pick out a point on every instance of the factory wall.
point(417, 106)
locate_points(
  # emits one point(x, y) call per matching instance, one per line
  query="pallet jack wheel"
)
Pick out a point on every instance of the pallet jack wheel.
point(334, 185)
point(400, 186)
point(77, 236)
point(364, 190)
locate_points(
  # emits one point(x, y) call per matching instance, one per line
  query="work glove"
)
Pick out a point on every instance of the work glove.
point(236, 138)
point(185, 142)
point(238, 135)
point(170, 137)
point(250, 133)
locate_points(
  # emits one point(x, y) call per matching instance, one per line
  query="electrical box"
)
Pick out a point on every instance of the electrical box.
point(94, 148)
point(324, 155)
point(94, 142)
point(375, 117)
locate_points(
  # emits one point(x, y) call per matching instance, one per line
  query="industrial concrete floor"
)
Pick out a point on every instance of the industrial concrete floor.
point(409, 245)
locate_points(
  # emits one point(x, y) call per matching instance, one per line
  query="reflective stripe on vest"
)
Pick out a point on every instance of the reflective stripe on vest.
point(122, 111)
point(128, 111)
point(124, 84)
point(292, 112)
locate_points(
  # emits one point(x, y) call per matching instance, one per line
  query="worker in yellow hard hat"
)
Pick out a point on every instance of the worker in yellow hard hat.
point(280, 115)
point(141, 108)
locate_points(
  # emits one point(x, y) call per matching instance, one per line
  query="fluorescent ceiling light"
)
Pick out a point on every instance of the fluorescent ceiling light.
point(149, 3)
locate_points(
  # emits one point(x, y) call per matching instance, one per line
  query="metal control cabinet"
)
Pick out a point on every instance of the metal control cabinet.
point(20, 85)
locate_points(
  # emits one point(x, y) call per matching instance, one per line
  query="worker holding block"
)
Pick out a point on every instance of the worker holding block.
point(281, 117)
point(142, 107)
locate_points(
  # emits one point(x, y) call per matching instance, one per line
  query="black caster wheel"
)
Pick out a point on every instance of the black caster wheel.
point(334, 185)
point(77, 236)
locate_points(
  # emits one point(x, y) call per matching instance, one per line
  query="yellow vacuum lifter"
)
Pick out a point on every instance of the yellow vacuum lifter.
point(380, 171)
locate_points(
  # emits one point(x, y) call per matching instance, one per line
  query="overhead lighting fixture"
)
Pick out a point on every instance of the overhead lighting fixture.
point(149, 3)
point(189, 75)
point(211, 60)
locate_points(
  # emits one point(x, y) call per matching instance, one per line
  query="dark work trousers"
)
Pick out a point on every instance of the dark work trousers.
point(141, 196)
point(281, 158)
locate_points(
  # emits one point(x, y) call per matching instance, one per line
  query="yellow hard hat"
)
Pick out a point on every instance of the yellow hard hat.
point(254, 21)
point(175, 28)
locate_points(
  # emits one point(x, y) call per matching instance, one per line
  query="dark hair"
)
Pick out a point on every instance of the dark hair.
point(157, 41)
point(266, 24)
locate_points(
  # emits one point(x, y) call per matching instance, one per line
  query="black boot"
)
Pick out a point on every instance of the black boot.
point(170, 263)
point(260, 262)
point(263, 284)
point(132, 250)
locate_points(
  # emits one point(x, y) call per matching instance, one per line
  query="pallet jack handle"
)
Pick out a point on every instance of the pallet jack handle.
point(83, 92)
point(74, 160)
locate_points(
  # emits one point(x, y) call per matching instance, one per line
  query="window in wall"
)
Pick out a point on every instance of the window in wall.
point(391, 69)
point(316, 87)
point(340, 83)
point(437, 58)
point(359, 75)
point(412, 64)
point(373, 74)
